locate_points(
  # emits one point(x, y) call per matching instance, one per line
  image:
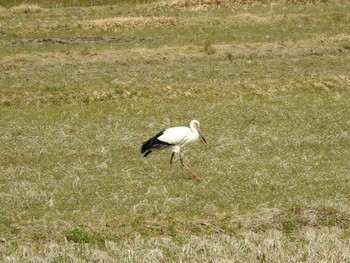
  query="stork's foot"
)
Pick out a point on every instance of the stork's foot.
point(199, 180)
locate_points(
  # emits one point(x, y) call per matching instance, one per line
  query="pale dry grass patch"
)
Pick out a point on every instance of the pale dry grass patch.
point(251, 18)
point(338, 38)
point(27, 8)
point(311, 216)
point(133, 22)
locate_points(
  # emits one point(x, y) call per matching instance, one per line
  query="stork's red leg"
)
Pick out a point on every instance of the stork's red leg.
point(197, 178)
point(171, 164)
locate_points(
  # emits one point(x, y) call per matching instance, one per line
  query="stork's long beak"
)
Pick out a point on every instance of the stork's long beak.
point(201, 135)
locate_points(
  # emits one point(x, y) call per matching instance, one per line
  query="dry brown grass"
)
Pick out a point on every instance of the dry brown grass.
point(133, 22)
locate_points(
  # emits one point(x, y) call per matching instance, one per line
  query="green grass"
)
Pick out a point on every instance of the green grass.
point(270, 86)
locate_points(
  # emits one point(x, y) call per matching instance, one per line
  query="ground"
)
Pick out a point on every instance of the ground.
point(83, 84)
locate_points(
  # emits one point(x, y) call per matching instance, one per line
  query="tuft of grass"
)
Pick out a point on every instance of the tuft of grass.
point(208, 48)
point(346, 46)
point(81, 235)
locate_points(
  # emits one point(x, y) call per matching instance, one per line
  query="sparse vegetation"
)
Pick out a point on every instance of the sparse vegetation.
point(269, 82)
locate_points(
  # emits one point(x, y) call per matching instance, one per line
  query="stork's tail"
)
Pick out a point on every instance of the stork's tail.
point(146, 146)
point(153, 143)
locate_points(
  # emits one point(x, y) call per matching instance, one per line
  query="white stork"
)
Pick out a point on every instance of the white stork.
point(174, 138)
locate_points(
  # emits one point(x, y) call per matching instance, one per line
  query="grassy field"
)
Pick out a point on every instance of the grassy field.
point(83, 84)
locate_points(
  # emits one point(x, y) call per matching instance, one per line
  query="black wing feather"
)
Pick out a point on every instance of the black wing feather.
point(154, 143)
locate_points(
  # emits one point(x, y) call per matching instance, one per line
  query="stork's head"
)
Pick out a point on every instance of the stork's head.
point(195, 125)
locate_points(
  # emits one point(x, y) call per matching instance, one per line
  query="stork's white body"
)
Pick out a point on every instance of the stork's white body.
point(174, 138)
point(179, 137)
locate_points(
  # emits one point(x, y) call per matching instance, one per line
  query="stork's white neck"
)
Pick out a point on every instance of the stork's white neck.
point(193, 129)
point(194, 126)
point(195, 134)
